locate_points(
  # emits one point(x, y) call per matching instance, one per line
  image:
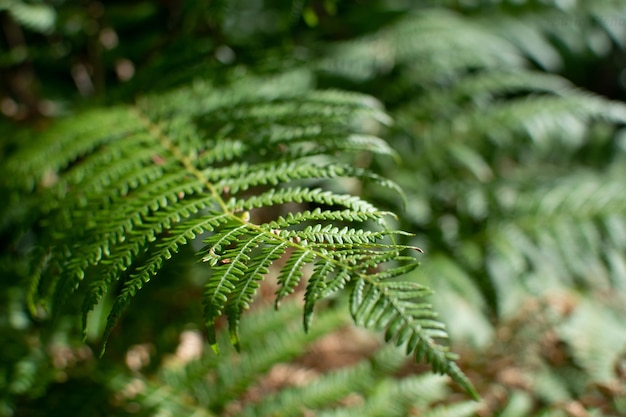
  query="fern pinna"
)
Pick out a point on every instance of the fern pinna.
point(118, 191)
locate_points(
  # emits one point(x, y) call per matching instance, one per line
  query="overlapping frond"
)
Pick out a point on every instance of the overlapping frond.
point(551, 33)
point(424, 39)
point(548, 32)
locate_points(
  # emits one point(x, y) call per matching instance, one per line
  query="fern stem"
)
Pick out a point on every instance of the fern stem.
point(180, 156)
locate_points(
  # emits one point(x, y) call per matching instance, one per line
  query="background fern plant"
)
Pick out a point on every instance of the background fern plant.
point(230, 155)
point(513, 177)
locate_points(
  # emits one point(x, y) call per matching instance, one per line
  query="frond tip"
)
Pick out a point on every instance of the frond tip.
point(394, 307)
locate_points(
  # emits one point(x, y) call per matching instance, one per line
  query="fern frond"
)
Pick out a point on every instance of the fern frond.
point(562, 232)
point(402, 43)
point(597, 354)
point(274, 345)
point(391, 397)
point(317, 395)
point(549, 33)
point(130, 186)
point(270, 342)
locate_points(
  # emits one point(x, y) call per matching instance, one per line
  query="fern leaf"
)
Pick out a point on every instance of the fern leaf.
point(246, 287)
point(358, 209)
point(112, 263)
point(229, 268)
point(118, 203)
point(178, 235)
point(390, 305)
point(292, 272)
point(315, 288)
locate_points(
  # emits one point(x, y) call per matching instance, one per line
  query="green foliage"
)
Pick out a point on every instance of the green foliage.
point(242, 162)
point(130, 185)
point(263, 381)
point(514, 176)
